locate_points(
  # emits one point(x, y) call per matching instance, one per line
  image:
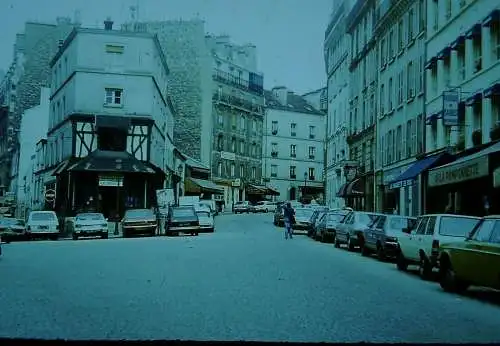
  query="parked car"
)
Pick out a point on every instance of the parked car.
point(420, 245)
point(382, 236)
point(182, 220)
point(263, 207)
point(350, 230)
point(279, 216)
point(303, 219)
point(317, 214)
point(242, 207)
point(206, 220)
point(475, 261)
point(43, 224)
point(89, 225)
point(210, 204)
point(139, 222)
point(327, 230)
point(12, 229)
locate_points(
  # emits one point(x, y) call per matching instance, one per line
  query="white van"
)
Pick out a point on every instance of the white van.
point(43, 224)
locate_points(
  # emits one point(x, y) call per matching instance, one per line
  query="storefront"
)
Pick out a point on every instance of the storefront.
point(468, 185)
point(408, 189)
point(392, 199)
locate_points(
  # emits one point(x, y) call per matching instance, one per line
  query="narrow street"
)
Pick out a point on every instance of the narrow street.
point(244, 282)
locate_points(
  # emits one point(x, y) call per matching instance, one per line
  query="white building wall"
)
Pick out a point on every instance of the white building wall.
point(283, 141)
point(34, 126)
point(445, 25)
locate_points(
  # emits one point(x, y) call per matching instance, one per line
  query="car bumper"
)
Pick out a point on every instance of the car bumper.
point(139, 229)
point(90, 232)
point(184, 229)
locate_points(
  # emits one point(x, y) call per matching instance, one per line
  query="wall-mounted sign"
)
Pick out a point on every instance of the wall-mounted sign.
point(459, 172)
point(402, 183)
point(50, 195)
point(450, 107)
point(227, 156)
point(110, 181)
point(236, 182)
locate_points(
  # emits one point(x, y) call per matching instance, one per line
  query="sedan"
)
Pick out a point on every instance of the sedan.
point(303, 218)
point(12, 229)
point(206, 220)
point(139, 221)
point(182, 219)
point(90, 225)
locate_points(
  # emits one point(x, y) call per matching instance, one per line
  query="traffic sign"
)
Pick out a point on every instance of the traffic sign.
point(50, 195)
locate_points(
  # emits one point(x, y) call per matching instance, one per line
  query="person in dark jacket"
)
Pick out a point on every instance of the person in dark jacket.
point(289, 215)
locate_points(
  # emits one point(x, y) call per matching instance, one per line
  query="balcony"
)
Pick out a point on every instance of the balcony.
point(243, 84)
point(238, 102)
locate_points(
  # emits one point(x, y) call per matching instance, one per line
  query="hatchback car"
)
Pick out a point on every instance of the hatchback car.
point(43, 224)
point(206, 220)
point(139, 222)
point(90, 224)
point(182, 220)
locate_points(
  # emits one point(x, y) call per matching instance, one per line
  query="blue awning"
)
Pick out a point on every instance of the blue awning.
point(458, 42)
point(474, 31)
point(408, 177)
point(430, 63)
point(493, 90)
point(445, 53)
point(473, 99)
point(493, 17)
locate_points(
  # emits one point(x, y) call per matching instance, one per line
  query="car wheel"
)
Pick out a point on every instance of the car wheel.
point(380, 253)
point(196, 234)
point(350, 245)
point(104, 236)
point(337, 243)
point(449, 281)
point(424, 269)
point(401, 262)
point(364, 251)
point(75, 236)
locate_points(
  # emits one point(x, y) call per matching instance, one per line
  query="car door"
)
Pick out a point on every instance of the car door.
point(375, 232)
point(425, 240)
point(413, 245)
point(344, 226)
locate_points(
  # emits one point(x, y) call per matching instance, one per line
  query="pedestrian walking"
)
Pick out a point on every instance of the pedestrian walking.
point(289, 216)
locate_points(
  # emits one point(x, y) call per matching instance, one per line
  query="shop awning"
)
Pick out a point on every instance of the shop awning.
point(202, 186)
point(111, 161)
point(430, 63)
point(342, 191)
point(408, 177)
point(272, 192)
point(458, 42)
point(474, 31)
point(444, 53)
point(493, 17)
point(473, 99)
point(61, 167)
point(253, 189)
point(466, 168)
point(355, 188)
point(493, 90)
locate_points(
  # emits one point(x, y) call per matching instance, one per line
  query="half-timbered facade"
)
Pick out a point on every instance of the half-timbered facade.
point(110, 121)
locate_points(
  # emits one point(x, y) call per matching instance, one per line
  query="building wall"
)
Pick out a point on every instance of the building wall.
point(29, 136)
point(337, 121)
point(189, 82)
point(444, 25)
point(281, 144)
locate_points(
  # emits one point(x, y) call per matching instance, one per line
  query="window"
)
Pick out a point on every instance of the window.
point(274, 127)
point(274, 171)
point(382, 53)
point(435, 10)
point(389, 147)
point(58, 115)
point(242, 171)
point(293, 150)
point(312, 153)
point(398, 140)
point(429, 230)
point(408, 142)
point(422, 15)
point(254, 126)
point(410, 81)
point(420, 134)
point(220, 119)
point(292, 172)
point(311, 174)
point(422, 226)
point(495, 41)
point(242, 147)
point(447, 13)
point(391, 96)
point(312, 132)
point(233, 121)
point(483, 233)
point(293, 127)
point(113, 96)
point(392, 50)
point(254, 149)
point(414, 136)
point(401, 34)
point(254, 172)
point(63, 110)
point(495, 237)
point(382, 100)
point(220, 143)
point(400, 87)
point(476, 44)
point(274, 149)
point(411, 25)
point(242, 123)
point(233, 170)
point(233, 144)
point(382, 151)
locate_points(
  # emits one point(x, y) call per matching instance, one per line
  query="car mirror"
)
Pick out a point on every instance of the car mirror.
point(469, 235)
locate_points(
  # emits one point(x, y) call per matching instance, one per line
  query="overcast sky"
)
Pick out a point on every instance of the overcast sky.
point(288, 33)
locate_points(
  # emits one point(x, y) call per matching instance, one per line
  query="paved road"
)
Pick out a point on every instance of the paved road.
point(244, 282)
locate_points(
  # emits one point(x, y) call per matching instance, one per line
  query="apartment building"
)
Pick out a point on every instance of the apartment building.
point(110, 121)
point(463, 104)
point(293, 146)
point(237, 117)
point(360, 24)
point(400, 34)
point(336, 52)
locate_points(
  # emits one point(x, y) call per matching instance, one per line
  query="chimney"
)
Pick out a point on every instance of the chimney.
point(108, 24)
point(281, 94)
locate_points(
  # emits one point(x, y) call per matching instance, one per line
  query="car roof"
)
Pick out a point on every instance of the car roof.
point(453, 215)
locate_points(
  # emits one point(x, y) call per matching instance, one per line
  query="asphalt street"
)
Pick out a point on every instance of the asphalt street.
point(244, 282)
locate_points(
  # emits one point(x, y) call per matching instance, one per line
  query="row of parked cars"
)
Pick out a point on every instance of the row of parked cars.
point(463, 250)
point(259, 207)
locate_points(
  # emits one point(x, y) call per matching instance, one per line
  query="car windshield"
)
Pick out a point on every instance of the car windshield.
point(43, 217)
point(90, 217)
point(139, 214)
point(367, 219)
point(202, 213)
point(457, 226)
point(399, 223)
point(183, 212)
point(304, 212)
point(11, 222)
point(336, 217)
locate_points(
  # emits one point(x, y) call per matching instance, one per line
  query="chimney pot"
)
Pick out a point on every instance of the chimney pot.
point(108, 24)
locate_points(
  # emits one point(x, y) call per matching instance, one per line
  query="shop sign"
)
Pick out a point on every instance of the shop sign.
point(456, 173)
point(50, 195)
point(110, 181)
point(392, 174)
point(402, 183)
point(227, 156)
point(236, 182)
point(451, 98)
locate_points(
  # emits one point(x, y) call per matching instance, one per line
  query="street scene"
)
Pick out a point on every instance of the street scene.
point(220, 172)
point(243, 282)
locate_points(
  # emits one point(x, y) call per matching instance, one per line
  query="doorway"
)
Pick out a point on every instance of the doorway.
point(110, 201)
point(293, 194)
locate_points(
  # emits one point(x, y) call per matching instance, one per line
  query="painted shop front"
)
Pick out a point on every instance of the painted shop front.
point(470, 185)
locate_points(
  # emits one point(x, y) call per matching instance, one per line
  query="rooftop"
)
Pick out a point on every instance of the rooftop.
point(295, 103)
